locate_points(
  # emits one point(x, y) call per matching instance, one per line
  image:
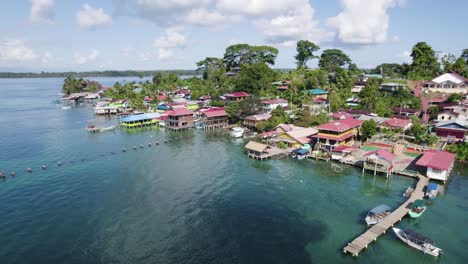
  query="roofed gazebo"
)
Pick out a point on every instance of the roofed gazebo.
point(379, 161)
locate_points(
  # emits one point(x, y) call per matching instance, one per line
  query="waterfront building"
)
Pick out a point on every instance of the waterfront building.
point(179, 118)
point(270, 105)
point(214, 118)
point(140, 120)
point(297, 137)
point(257, 150)
point(106, 110)
point(252, 121)
point(340, 153)
point(337, 133)
point(379, 161)
point(452, 131)
point(437, 163)
point(450, 82)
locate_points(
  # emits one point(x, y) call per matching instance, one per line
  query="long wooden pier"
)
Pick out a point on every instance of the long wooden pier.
point(363, 241)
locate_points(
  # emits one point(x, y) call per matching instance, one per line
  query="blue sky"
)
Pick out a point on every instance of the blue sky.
point(62, 35)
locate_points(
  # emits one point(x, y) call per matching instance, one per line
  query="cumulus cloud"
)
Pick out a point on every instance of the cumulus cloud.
point(203, 17)
point(363, 22)
point(92, 18)
point(41, 10)
point(406, 56)
point(83, 59)
point(174, 39)
point(259, 7)
point(14, 50)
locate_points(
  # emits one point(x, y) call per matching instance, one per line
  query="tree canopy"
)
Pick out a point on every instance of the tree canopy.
point(305, 52)
point(331, 59)
point(253, 78)
point(425, 65)
point(240, 54)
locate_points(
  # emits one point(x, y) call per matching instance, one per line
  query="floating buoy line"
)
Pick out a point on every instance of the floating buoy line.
point(43, 167)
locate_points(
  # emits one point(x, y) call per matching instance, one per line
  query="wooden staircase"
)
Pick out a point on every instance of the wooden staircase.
point(399, 149)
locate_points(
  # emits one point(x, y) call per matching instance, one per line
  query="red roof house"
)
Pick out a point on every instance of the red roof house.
point(394, 123)
point(236, 96)
point(438, 163)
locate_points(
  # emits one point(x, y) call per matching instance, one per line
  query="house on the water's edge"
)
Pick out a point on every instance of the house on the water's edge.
point(214, 118)
point(450, 82)
point(179, 118)
point(379, 161)
point(337, 133)
point(437, 163)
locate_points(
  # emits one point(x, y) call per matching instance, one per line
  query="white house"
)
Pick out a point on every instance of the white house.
point(438, 164)
point(270, 105)
point(461, 111)
point(450, 82)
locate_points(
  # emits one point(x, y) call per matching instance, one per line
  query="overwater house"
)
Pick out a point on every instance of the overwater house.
point(379, 161)
point(391, 87)
point(270, 105)
point(76, 97)
point(397, 124)
point(236, 96)
point(252, 121)
point(179, 118)
point(92, 97)
point(450, 82)
point(337, 133)
point(340, 153)
point(214, 118)
point(452, 131)
point(437, 164)
point(257, 150)
point(140, 120)
point(297, 137)
point(106, 110)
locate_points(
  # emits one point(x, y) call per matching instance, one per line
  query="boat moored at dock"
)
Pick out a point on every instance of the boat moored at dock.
point(417, 209)
point(418, 241)
point(432, 190)
point(377, 214)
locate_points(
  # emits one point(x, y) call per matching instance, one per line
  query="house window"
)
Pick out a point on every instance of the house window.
point(436, 171)
point(446, 86)
point(442, 117)
point(432, 85)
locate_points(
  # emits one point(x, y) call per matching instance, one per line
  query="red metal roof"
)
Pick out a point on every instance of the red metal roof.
point(436, 159)
point(340, 125)
point(214, 112)
point(275, 101)
point(162, 97)
point(342, 115)
point(344, 149)
point(396, 122)
point(148, 98)
point(238, 94)
point(385, 154)
point(340, 138)
point(179, 112)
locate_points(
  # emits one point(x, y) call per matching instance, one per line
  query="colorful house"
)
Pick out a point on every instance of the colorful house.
point(179, 118)
point(452, 131)
point(140, 120)
point(270, 105)
point(237, 96)
point(337, 133)
point(397, 123)
point(379, 161)
point(437, 163)
point(214, 118)
point(252, 121)
point(318, 93)
point(296, 137)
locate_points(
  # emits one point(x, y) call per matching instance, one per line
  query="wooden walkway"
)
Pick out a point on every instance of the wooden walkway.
point(361, 242)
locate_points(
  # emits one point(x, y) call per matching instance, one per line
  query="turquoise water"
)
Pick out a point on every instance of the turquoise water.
point(196, 199)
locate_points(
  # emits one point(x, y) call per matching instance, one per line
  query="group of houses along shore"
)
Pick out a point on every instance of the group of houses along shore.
point(337, 140)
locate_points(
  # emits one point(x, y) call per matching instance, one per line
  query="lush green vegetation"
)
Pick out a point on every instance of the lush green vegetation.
point(460, 149)
point(92, 74)
point(74, 85)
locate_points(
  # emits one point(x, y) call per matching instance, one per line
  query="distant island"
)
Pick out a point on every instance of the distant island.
point(109, 73)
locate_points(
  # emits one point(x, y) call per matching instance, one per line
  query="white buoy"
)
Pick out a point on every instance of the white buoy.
point(43, 167)
point(29, 170)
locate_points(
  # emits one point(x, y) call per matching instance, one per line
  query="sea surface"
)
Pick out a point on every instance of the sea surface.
point(195, 199)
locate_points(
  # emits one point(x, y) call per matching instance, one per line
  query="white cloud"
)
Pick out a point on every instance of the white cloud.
point(83, 59)
point(92, 18)
point(13, 50)
point(396, 39)
point(260, 7)
point(203, 17)
point(41, 10)
point(406, 56)
point(363, 22)
point(173, 39)
point(165, 54)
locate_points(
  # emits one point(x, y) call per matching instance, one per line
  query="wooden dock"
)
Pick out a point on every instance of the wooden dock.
point(363, 241)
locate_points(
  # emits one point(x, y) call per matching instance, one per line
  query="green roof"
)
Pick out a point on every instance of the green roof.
point(317, 91)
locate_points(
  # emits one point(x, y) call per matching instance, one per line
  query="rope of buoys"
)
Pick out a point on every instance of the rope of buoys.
point(134, 147)
point(141, 146)
point(59, 163)
point(29, 170)
point(12, 173)
point(124, 149)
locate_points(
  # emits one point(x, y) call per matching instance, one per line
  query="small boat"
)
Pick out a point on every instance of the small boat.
point(29, 170)
point(418, 241)
point(59, 163)
point(408, 192)
point(377, 214)
point(43, 167)
point(418, 208)
point(2, 175)
point(66, 107)
point(12, 173)
point(109, 128)
point(124, 149)
point(236, 132)
point(299, 154)
point(432, 190)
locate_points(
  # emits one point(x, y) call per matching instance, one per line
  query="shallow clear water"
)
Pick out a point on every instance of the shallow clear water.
point(197, 199)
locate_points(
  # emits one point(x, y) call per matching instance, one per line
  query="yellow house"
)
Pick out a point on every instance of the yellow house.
point(338, 133)
point(294, 136)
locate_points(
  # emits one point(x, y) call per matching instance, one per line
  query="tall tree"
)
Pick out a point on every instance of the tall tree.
point(368, 129)
point(460, 67)
point(425, 65)
point(370, 94)
point(240, 54)
point(447, 62)
point(353, 69)
point(209, 66)
point(253, 78)
point(305, 52)
point(464, 55)
point(331, 59)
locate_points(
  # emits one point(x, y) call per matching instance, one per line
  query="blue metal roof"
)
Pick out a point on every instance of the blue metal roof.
point(140, 117)
point(432, 187)
point(317, 91)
